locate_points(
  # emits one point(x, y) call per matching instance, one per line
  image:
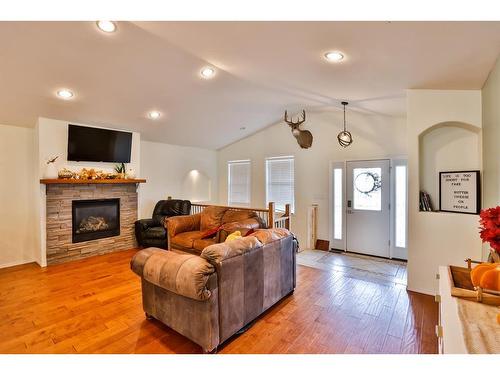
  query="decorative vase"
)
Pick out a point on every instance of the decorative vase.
point(493, 257)
point(51, 171)
point(131, 174)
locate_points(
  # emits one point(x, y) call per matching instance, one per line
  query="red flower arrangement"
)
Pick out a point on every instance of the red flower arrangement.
point(490, 227)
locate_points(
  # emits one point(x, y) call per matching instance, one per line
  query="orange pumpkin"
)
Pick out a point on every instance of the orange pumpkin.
point(477, 272)
point(491, 279)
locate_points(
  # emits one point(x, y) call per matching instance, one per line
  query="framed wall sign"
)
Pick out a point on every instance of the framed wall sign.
point(459, 192)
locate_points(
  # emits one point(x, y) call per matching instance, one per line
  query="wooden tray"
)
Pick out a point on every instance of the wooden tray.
point(461, 287)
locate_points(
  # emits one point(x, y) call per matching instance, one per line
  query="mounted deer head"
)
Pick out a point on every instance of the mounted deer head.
point(304, 137)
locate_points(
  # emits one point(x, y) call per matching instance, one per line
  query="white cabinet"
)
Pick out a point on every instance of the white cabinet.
point(449, 329)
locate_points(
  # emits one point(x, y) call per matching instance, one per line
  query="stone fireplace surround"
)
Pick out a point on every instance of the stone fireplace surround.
point(59, 198)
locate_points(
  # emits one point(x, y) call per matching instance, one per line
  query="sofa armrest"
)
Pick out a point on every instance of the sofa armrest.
point(180, 224)
point(144, 224)
point(180, 273)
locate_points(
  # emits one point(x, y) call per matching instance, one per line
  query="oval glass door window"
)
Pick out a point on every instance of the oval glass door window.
point(367, 184)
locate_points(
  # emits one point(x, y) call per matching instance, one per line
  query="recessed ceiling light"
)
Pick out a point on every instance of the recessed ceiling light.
point(106, 26)
point(65, 94)
point(207, 72)
point(153, 115)
point(334, 56)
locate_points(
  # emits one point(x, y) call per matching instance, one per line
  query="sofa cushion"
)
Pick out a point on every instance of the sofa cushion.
point(186, 239)
point(180, 273)
point(251, 223)
point(268, 235)
point(211, 217)
point(226, 250)
point(202, 243)
point(179, 224)
point(237, 215)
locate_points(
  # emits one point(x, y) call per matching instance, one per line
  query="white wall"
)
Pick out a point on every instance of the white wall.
point(176, 171)
point(17, 196)
point(374, 137)
point(491, 138)
point(437, 238)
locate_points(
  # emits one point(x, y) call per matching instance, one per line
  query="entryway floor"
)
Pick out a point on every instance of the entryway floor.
point(357, 266)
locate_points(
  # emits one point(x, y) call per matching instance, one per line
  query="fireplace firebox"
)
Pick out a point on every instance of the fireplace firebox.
point(95, 218)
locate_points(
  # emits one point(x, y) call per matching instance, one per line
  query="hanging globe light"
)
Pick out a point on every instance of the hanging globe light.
point(344, 137)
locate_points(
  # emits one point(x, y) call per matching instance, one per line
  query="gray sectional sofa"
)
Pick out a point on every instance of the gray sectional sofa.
point(210, 297)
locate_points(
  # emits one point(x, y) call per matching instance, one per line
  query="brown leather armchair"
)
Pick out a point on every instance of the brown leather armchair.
point(152, 232)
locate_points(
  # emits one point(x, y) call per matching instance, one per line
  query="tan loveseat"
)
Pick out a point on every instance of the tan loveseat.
point(210, 297)
point(185, 232)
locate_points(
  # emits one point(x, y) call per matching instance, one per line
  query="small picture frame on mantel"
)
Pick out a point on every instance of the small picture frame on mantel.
point(459, 192)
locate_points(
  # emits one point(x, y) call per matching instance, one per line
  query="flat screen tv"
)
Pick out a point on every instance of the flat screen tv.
point(94, 144)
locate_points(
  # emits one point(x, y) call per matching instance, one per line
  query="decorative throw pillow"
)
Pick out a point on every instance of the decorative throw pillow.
point(249, 232)
point(233, 236)
point(210, 233)
point(223, 233)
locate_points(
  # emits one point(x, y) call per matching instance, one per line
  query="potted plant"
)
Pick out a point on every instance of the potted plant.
point(120, 170)
point(490, 231)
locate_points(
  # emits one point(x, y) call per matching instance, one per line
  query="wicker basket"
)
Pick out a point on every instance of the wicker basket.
point(461, 286)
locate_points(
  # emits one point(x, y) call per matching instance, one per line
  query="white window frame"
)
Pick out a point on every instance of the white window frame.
point(276, 158)
point(335, 243)
point(249, 187)
point(397, 251)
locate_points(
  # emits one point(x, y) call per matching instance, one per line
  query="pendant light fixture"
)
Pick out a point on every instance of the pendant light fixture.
point(344, 137)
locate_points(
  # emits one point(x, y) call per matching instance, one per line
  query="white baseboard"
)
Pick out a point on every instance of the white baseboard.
point(18, 263)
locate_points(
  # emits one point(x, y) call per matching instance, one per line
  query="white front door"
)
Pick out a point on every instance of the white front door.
point(368, 207)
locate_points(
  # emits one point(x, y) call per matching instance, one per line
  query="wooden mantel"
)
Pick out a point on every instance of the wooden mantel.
point(81, 181)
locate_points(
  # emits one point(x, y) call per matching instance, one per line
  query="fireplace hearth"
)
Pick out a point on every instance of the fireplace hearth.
point(95, 218)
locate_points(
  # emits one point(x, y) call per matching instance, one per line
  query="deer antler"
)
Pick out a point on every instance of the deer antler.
point(299, 120)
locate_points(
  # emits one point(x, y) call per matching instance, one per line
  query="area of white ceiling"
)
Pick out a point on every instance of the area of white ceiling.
point(263, 68)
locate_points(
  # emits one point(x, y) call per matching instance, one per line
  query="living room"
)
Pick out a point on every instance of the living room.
point(249, 187)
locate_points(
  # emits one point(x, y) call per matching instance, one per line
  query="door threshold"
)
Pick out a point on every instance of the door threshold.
point(367, 255)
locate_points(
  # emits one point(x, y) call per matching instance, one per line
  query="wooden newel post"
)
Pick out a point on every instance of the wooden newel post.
point(287, 215)
point(270, 218)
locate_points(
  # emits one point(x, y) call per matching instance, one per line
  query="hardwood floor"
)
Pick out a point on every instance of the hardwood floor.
point(94, 306)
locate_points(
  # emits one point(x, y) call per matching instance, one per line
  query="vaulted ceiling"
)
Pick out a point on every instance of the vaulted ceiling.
point(262, 69)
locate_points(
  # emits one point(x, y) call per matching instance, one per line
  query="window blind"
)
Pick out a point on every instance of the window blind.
point(280, 187)
point(238, 183)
